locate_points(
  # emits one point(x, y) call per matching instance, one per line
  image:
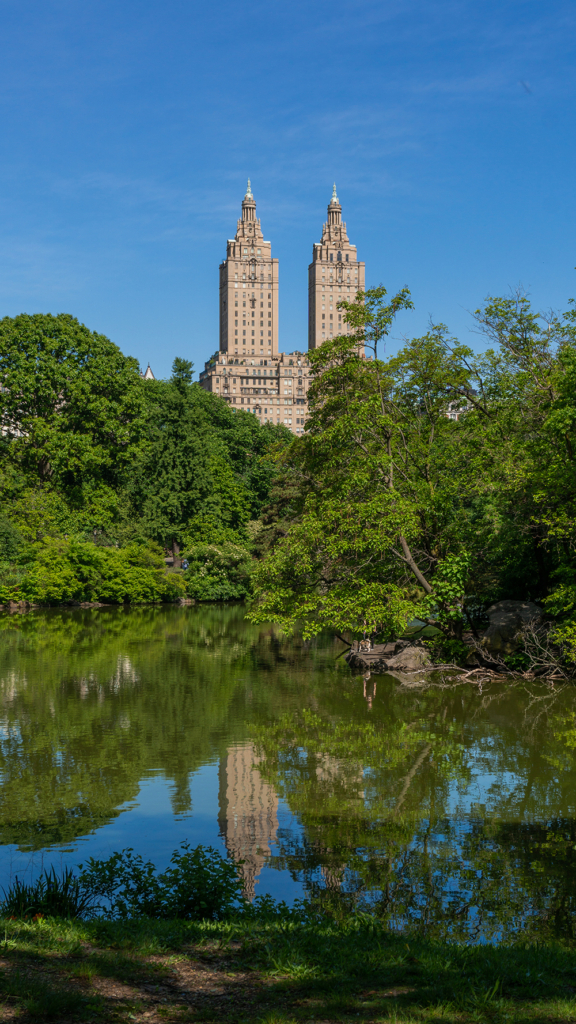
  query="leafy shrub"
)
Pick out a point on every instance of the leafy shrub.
point(50, 895)
point(76, 570)
point(11, 579)
point(218, 572)
point(198, 884)
point(447, 650)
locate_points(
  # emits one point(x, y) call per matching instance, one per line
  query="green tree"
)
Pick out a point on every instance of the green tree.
point(374, 520)
point(430, 481)
point(71, 407)
point(203, 473)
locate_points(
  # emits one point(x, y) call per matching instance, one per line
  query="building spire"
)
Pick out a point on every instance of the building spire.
point(334, 196)
point(248, 191)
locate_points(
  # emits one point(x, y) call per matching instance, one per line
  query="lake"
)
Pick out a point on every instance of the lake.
point(448, 807)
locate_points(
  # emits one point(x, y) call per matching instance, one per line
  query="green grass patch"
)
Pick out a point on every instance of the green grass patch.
point(276, 971)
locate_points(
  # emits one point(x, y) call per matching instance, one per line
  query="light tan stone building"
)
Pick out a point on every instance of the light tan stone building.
point(334, 275)
point(248, 371)
point(249, 289)
point(273, 389)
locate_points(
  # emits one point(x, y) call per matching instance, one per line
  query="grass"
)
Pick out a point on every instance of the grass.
point(275, 971)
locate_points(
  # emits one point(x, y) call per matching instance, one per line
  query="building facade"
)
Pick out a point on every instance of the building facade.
point(334, 275)
point(248, 371)
point(273, 389)
point(249, 289)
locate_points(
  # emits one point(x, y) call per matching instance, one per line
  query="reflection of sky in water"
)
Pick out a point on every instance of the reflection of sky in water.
point(149, 825)
point(116, 734)
point(466, 799)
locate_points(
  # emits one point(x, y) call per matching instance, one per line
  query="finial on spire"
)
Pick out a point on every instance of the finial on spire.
point(334, 196)
point(248, 191)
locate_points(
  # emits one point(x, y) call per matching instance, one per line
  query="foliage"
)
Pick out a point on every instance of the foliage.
point(217, 572)
point(60, 570)
point(447, 650)
point(10, 539)
point(71, 404)
point(204, 472)
point(429, 483)
point(94, 454)
point(51, 895)
point(198, 884)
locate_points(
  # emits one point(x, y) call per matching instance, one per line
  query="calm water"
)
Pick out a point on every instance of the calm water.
point(451, 807)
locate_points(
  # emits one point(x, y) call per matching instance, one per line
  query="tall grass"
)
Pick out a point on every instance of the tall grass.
point(51, 895)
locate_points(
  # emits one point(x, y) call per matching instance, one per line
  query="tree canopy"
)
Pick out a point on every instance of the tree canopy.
point(93, 453)
point(430, 482)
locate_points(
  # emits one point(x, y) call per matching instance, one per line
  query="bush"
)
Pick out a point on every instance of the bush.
point(218, 572)
point(60, 570)
point(447, 650)
point(198, 884)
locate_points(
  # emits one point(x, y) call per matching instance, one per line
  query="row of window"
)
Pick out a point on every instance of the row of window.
point(263, 362)
point(256, 372)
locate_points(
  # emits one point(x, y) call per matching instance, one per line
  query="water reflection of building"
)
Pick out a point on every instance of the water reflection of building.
point(247, 812)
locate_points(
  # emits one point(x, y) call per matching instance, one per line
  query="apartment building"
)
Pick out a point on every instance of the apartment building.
point(248, 371)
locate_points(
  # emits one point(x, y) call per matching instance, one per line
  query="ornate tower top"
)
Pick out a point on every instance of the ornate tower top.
point(334, 275)
point(249, 288)
point(335, 215)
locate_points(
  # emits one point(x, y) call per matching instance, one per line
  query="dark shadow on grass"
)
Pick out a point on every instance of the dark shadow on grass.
point(277, 971)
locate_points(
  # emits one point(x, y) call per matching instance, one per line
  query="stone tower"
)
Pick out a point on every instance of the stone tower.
point(334, 275)
point(249, 290)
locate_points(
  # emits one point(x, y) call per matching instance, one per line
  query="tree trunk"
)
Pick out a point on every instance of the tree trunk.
point(177, 564)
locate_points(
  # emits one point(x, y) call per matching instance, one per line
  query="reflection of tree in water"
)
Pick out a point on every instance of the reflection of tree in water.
point(411, 838)
point(93, 701)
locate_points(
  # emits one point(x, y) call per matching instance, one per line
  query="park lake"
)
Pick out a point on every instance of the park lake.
point(449, 807)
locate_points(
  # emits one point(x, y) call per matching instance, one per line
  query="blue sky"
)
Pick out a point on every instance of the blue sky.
point(127, 132)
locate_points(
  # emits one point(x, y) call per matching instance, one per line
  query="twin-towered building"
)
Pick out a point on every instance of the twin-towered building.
point(248, 371)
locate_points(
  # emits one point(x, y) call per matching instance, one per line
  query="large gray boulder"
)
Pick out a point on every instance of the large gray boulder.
point(506, 620)
point(411, 659)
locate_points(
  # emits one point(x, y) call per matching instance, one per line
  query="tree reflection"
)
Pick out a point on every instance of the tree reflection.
point(95, 700)
point(444, 809)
